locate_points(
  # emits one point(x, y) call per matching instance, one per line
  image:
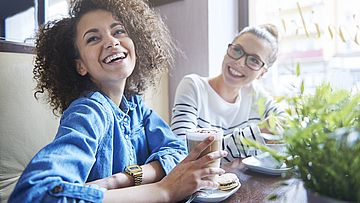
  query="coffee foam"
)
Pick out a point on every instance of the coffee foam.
point(202, 133)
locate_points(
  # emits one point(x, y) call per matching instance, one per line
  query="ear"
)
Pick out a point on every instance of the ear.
point(263, 72)
point(80, 68)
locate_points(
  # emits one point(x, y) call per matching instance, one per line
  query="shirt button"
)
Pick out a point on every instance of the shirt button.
point(57, 189)
point(125, 119)
point(131, 158)
point(127, 136)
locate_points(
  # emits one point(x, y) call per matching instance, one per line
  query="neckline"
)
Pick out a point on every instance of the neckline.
point(237, 100)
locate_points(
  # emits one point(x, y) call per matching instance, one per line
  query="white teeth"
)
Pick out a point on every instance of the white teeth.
point(116, 56)
point(234, 72)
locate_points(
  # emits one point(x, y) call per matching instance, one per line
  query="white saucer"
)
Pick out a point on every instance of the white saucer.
point(218, 196)
point(254, 165)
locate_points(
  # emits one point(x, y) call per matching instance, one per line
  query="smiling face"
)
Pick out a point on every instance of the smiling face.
point(234, 72)
point(107, 52)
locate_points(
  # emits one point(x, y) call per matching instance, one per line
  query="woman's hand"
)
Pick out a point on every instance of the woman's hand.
point(187, 176)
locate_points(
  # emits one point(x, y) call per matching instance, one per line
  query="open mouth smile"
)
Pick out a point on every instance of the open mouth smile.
point(115, 58)
point(235, 73)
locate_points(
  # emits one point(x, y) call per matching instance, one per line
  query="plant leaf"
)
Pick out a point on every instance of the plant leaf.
point(272, 197)
point(298, 69)
point(302, 87)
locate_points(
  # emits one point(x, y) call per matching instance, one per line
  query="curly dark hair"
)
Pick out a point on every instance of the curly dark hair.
point(56, 51)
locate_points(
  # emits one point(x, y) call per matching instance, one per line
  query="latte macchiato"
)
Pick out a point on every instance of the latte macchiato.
point(195, 136)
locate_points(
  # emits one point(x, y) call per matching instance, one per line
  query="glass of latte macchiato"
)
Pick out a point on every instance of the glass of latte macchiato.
point(195, 136)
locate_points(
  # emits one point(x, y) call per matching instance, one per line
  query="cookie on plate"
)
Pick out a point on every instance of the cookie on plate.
point(228, 181)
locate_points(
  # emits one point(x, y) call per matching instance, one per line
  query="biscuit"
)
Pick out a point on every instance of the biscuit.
point(228, 181)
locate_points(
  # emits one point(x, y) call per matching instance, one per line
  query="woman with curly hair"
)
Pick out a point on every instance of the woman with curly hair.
point(92, 68)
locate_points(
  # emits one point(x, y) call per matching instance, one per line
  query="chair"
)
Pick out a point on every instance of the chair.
point(26, 125)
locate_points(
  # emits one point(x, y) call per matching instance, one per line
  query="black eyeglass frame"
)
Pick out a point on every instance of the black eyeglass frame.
point(246, 56)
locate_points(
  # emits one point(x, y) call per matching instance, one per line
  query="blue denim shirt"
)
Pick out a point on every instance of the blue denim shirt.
point(97, 139)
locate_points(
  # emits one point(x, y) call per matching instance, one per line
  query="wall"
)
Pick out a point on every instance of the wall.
point(203, 28)
point(188, 23)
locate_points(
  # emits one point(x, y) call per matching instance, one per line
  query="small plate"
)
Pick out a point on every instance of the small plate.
point(254, 165)
point(218, 196)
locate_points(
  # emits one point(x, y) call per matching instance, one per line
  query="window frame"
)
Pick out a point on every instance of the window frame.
point(243, 13)
point(15, 47)
point(18, 47)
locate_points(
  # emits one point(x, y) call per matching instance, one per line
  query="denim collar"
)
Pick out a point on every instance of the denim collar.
point(124, 108)
point(126, 105)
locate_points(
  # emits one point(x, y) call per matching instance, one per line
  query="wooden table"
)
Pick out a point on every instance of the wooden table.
point(257, 187)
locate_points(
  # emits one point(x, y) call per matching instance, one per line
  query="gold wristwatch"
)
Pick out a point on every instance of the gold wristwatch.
point(136, 172)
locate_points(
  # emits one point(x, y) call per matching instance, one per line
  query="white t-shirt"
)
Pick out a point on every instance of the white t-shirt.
point(197, 105)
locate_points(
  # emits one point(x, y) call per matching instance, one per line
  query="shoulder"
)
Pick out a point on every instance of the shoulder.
point(194, 80)
point(191, 78)
point(189, 89)
point(92, 103)
point(93, 109)
point(95, 98)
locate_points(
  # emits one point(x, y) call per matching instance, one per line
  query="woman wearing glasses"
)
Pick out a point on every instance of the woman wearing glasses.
point(229, 100)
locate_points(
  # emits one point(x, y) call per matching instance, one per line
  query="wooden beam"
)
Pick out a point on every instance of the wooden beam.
point(14, 47)
point(41, 12)
point(243, 14)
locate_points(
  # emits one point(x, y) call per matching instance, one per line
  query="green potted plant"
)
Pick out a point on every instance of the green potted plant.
point(322, 136)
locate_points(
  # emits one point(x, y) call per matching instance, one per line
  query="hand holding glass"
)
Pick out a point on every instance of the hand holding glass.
point(195, 136)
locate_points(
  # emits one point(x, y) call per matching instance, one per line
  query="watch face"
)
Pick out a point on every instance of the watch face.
point(134, 168)
point(136, 172)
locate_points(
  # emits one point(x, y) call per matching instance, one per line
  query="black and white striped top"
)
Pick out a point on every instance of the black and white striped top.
point(197, 105)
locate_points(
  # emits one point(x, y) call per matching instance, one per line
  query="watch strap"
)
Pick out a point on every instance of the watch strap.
point(136, 174)
point(138, 179)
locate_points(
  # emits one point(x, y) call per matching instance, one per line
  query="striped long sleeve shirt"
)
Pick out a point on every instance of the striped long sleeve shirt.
point(197, 105)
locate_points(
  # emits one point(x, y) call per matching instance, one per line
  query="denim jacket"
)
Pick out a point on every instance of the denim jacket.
point(97, 139)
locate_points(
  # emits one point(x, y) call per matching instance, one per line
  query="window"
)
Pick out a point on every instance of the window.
point(320, 35)
point(20, 24)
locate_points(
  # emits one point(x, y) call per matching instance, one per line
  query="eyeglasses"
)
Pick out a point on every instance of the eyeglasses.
point(251, 61)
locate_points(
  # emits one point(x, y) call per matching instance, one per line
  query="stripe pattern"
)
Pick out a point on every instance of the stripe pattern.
point(197, 105)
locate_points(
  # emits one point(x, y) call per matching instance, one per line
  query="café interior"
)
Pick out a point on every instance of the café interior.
point(319, 39)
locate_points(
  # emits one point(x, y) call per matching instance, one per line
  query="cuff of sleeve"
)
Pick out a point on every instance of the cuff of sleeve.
point(96, 187)
point(168, 158)
point(90, 193)
point(256, 130)
point(257, 134)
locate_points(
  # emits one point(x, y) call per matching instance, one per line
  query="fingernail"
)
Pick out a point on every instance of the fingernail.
point(211, 138)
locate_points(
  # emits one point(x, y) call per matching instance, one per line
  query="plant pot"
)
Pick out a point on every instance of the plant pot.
point(318, 198)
